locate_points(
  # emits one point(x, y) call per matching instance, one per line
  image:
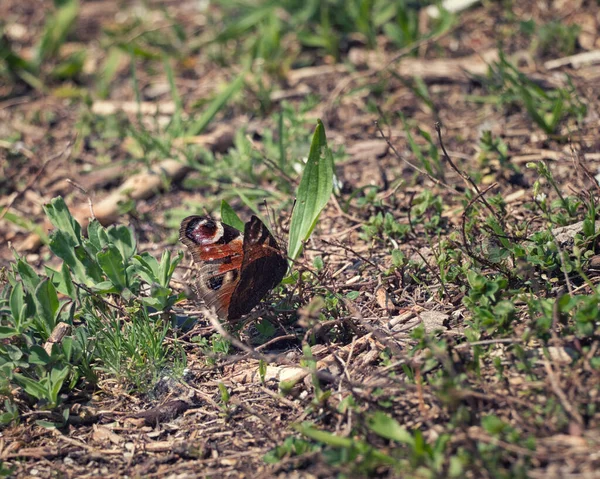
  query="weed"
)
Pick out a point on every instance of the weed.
point(329, 27)
point(547, 108)
point(97, 293)
point(553, 38)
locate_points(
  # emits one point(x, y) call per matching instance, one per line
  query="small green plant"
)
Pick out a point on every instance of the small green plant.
point(560, 211)
point(214, 347)
point(99, 295)
point(484, 299)
point(554, 38)
point(380, 226)
point(324, 26)
point(225, 397)
point(35, 71)
point(291, 446)
point(494, 154)
point(547, 108)
point(428, 156)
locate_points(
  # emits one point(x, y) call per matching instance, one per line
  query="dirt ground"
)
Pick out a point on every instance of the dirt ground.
point(181, 428)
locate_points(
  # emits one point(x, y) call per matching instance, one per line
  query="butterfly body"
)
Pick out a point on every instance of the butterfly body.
point(235, 270)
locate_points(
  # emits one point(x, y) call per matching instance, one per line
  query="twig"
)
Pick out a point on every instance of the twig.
point(411, 165)
point(84, 191)
point(562, 397)
point(350, 250)
point(462, 174)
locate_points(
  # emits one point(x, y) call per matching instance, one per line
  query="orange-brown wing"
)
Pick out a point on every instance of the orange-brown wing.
point(217, 250)
point(263, 267)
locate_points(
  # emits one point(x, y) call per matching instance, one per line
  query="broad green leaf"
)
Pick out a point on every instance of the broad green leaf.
point(388, 428)
point(165, 260)
point(230, 217)
point(151, 271)
point(92, 268)
point(37, 355)
point(313, 193)
point(146, 267)
point(60, 217)
point(104, 287)
point(57, 378)
point(68, 347)
point(33, 388)
point(69, 287)
point(111, 262)
point(62, 280)
point(17, 303)
point(123, 238)
point(30, 278)
point(47, 424)
point(47, 304)
point(97, 237)
point(61, 247)
point(7, 332)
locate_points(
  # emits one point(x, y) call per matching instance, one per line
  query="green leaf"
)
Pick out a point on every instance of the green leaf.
point(38, 355)
point(123, 238)
point(47, 304)
point(7, 332)
point(62, 280)
point(230, 217)
point(56, 29)
point(30, 278)
point(111, 262)
point(352, 295)
point(46, 424)
point(325, 437)
point(57, 378)
point(67, 284)
point(168, 271)
point(215, 106)
point(31, 387)
point(146, 267)
point(60, 216)
point(388, 428)
point(61, 246)
point(493, 425)
point(97, 236)
point(17, 303)
point(93, 272)
point(104, 287)
point(313, 193)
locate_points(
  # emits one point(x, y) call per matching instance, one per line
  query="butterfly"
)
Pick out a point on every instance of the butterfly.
point(235, 270)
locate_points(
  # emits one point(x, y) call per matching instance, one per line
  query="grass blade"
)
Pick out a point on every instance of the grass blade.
point(215, 106)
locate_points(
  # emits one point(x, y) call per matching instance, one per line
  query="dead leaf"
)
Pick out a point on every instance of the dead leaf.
point(383, 299)
point(102, 434)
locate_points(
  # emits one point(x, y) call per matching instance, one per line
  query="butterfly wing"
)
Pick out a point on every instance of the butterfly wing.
point(218, 251)
point(263, 267)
